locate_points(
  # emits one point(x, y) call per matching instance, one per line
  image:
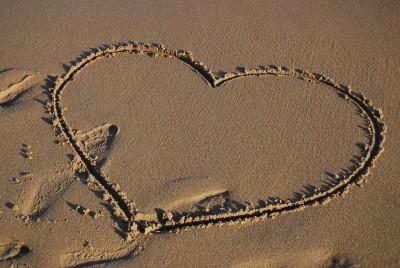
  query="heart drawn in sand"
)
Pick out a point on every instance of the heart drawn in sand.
point(172, 220)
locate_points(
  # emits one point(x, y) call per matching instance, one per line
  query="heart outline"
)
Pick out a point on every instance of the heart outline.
point(374, 117)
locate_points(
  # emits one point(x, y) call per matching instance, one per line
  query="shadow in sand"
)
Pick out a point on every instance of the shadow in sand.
point(337, 262)
point(6, 70)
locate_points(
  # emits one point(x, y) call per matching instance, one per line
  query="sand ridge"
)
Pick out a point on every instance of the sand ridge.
point(15, 82)
point(173, 221)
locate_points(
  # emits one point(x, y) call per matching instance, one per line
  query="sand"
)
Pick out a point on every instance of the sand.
point(209, 134)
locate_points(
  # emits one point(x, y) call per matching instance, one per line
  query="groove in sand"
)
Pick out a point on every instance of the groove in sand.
point(334, 188)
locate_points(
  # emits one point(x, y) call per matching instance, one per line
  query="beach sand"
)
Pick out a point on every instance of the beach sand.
point(203, 134)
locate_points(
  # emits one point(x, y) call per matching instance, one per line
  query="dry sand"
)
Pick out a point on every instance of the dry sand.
point(204, 134)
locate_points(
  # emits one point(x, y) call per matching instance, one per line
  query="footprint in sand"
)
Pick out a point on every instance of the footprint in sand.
point(12, 249)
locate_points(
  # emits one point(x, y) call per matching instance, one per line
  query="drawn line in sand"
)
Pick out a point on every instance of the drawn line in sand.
point(174, 221)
